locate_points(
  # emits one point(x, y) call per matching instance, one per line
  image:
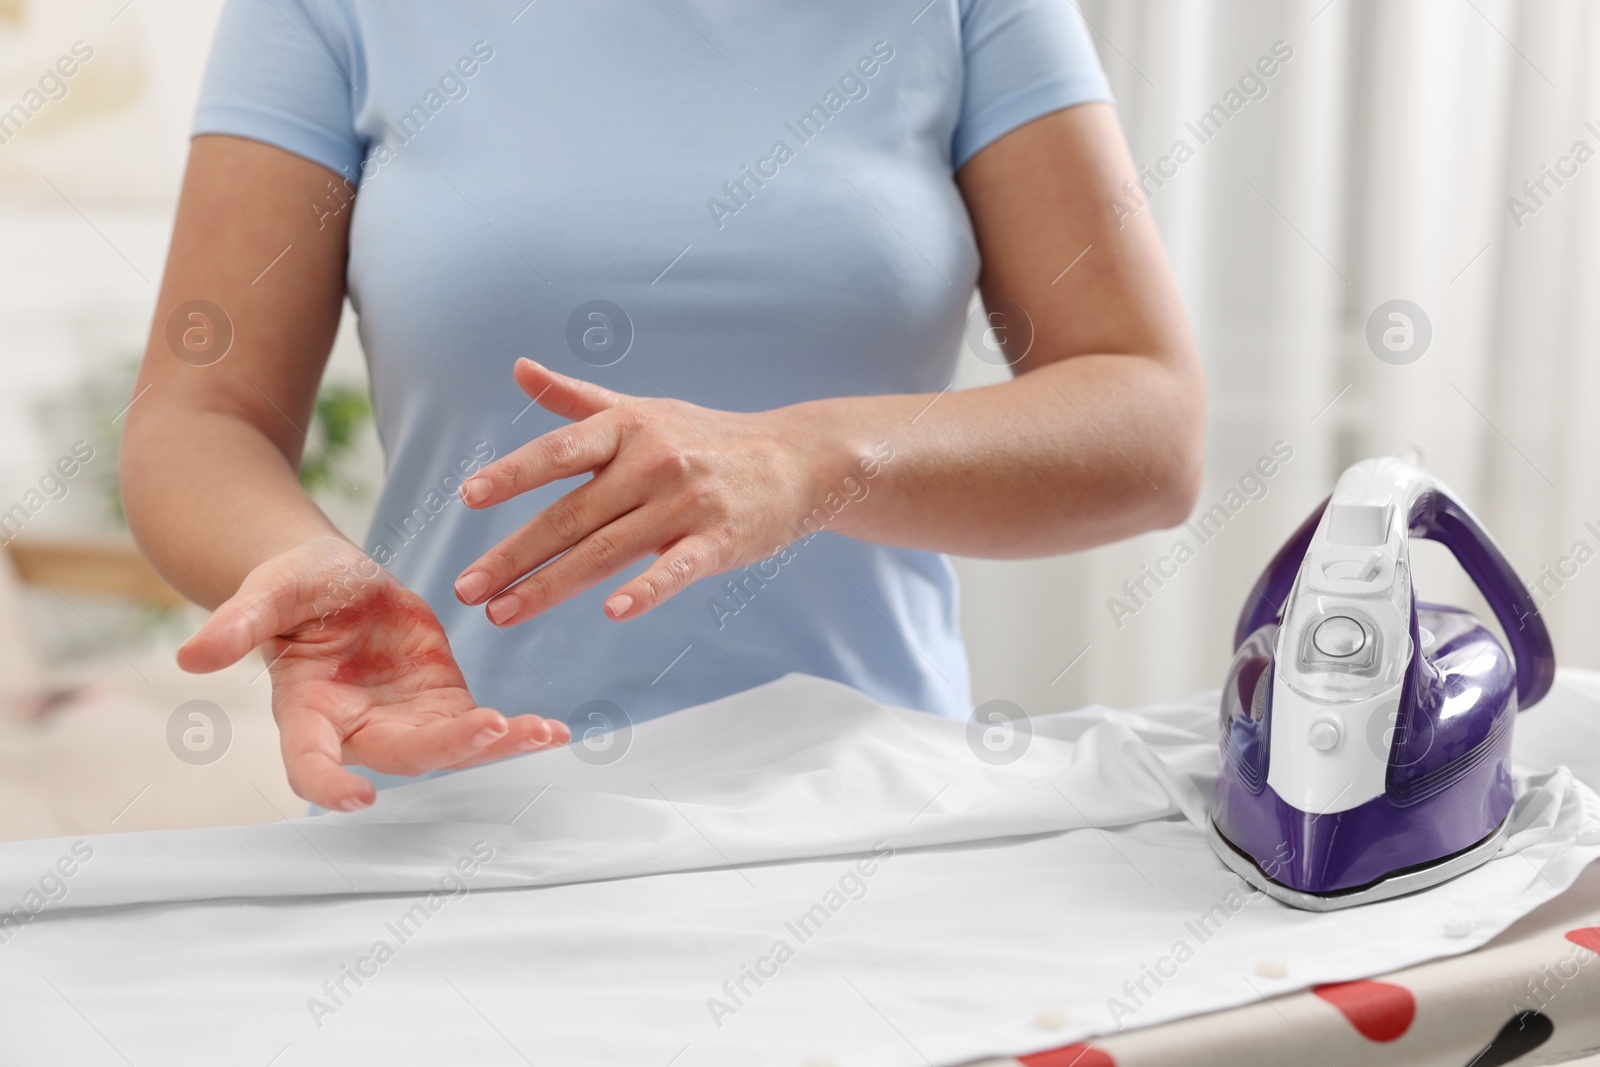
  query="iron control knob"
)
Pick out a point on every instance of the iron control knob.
point(1325, 735)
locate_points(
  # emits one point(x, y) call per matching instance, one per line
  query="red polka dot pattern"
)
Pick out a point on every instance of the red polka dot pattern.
point(1079, 1055)
point(1587, 936)
point(1380, 1011)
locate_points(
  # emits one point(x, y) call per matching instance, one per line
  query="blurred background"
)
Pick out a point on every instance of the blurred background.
point(1387, 245)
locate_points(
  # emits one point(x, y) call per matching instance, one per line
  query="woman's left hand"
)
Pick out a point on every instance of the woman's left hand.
point(706, 491)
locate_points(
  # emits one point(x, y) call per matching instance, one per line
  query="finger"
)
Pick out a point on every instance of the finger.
point(571, 398)
point(311, 753)
point(550, 533)
point(694, 557)
point(269, 602)
point(402, 748)
point(528, 733)
point(564, 453)
point(605, 552)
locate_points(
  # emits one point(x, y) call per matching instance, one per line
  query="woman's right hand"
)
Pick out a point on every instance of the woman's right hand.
point(362, 673)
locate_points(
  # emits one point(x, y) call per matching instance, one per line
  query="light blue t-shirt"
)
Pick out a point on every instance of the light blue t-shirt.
point(740, 203)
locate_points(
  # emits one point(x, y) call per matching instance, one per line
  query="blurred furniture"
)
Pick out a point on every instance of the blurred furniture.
point(84, 746)
point(98, 566)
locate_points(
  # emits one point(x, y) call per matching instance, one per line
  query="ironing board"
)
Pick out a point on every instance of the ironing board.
point(1476, 1010)
point(1531, 995)
point(948, 908)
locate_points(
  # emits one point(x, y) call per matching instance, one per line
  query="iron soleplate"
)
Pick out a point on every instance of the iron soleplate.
point(1399, 884)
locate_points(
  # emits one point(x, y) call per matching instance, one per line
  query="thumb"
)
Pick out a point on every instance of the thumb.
point(269, 602)
point(571, 398)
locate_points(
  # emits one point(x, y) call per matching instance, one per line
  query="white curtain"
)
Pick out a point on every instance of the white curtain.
point(1377, 166)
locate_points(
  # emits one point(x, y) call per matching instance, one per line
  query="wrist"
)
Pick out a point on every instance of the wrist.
point(840, 459)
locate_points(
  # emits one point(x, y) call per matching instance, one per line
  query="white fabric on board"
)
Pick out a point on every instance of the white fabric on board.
point(931, 907)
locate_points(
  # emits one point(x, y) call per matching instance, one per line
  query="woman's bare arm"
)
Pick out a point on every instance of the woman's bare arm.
point(1100, 434)
point(210, 453)
point(209, 461)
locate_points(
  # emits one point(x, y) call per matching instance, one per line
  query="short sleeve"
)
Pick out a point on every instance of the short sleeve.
point(281, 72)
point(1024, 59)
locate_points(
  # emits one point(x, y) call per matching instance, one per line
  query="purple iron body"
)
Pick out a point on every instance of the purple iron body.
point(1366, 738)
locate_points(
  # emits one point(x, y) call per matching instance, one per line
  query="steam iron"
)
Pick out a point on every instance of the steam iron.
point(1366, 738)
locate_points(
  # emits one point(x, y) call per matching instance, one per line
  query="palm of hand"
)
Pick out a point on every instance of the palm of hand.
point(364, 676)
point(373, 669)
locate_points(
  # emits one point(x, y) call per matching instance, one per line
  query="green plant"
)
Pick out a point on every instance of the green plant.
point(339, 414)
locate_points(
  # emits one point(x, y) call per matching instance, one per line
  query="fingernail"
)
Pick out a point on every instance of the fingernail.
point(528, 361)
point(475, 490)
point(471, 586)
point(618, 605)
point(352, 804)
point(501, 608)
point(488, 735)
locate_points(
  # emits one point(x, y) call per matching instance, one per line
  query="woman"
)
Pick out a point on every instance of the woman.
point(738, 241)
